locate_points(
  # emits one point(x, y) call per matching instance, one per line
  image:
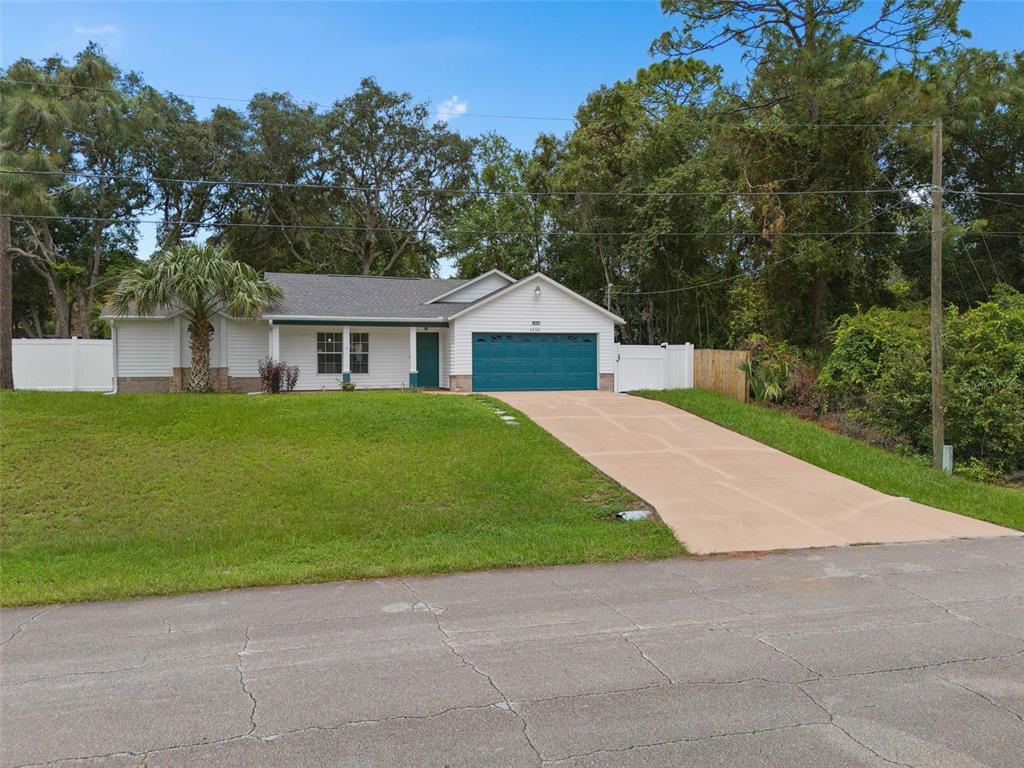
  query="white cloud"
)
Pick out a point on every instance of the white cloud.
point(449, 109)
point(100, 30)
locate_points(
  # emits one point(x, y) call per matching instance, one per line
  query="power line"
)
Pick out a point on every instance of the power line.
point(498, 193)
point(316, 105)
point(853, 233)
point(431, 190)
point(963, 290)
point(491, 233)
point(987, 199)
point(755, 270)
point(974, 266)
point(991, 260)
point(972, 192)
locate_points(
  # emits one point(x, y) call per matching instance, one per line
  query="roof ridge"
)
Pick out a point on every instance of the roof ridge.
point(378, 277)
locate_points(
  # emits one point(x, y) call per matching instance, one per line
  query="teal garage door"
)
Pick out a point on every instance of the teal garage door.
point(508, 362)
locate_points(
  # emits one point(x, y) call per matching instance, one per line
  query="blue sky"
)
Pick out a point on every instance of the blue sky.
point(526, 58)
point(484, 58)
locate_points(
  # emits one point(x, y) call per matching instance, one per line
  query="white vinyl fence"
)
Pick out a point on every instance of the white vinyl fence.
point(64, 364)
point(653, 366)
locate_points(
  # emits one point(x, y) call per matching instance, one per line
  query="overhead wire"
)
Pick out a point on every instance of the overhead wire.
point(766, 265)
point(433, 190)
point(493, 233)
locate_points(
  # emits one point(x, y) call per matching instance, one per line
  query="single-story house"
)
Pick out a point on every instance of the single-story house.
point(490, 333)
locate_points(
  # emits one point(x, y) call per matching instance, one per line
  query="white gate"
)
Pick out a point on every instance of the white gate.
point(63, 364)
point(649, 366)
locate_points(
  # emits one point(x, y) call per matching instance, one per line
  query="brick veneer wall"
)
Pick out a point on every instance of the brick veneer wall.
point(143, 384)
point(178, 381)
point(606, 382)
point(460, 383)
point(244, 384)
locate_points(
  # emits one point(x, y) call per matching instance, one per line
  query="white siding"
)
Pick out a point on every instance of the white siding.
point(477, 290)
point(248, 342)
point(445, 346)
point(515, 312)
point(186, 342)
point(145, 347)
point(389, 357)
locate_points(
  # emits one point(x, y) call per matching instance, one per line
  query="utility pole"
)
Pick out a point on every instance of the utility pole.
point(938, 425)
point(608, 297)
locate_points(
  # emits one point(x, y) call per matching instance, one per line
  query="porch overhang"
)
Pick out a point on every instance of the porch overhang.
point(410, 322)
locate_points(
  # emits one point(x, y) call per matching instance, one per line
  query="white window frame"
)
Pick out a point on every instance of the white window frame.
point(322, 356)
point(359, 349)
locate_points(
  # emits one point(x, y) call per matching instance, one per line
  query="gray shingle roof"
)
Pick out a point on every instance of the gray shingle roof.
point(354, 296)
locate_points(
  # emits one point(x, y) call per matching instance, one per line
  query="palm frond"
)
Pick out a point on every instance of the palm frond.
point(201, 280)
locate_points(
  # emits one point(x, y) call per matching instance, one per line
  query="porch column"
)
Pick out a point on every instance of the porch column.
point(346, 353)
point(413, 370)
point(275, 341)
point(176, 344)
point(113, 351)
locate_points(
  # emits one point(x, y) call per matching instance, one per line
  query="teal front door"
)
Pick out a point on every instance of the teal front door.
point(525, 361)
point(427, 360)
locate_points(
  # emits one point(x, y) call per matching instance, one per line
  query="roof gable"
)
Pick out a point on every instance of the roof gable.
point(536, 277)
point(475, 288)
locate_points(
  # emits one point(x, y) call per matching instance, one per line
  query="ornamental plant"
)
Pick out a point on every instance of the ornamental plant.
point(277, 376)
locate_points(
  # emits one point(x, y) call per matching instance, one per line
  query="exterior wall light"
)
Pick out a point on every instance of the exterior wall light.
point(536, 292)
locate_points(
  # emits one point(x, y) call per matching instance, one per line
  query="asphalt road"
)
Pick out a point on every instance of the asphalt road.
point(906, 654)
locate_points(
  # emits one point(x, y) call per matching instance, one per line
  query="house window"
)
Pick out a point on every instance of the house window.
point(360, 352)
point(329, 354)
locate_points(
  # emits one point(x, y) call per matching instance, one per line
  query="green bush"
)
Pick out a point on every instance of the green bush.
point(984, 358)
point(778, 372)
point(867, 344)
point(880, 369)
point(769, 370)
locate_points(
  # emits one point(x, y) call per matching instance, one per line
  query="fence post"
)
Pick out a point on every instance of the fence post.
point(74, 363)
point(665, 365)
point(688, 365)
point(615, 386)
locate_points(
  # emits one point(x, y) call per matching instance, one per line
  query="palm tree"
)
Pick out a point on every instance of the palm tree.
point(200, 281)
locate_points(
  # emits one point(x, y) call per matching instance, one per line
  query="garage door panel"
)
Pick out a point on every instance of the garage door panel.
point(517, 362)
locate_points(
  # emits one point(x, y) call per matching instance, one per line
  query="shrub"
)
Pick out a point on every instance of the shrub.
point(348, 386)
point(277, 376)
point(864, 345)
point(880, 369)
point(777, 372)
point(984, 359)
point(291, 377)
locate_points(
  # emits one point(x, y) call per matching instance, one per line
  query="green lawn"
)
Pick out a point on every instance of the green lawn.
point(886, 472)
point(109, 497)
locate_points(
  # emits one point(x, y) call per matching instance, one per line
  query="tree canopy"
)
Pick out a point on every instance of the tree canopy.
point(697, 207)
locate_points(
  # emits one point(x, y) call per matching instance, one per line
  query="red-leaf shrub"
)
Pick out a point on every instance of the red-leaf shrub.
point(277, 375)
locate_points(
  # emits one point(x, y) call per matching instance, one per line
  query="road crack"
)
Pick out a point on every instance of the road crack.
point(506, 703)
point(245, 686)
point(19, 627)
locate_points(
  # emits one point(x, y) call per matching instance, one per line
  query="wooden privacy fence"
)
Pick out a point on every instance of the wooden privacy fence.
point(719, 370)
point(680, 366)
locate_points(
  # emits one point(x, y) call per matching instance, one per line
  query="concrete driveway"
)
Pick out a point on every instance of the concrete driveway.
point(907, 654)
point(722, 492)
